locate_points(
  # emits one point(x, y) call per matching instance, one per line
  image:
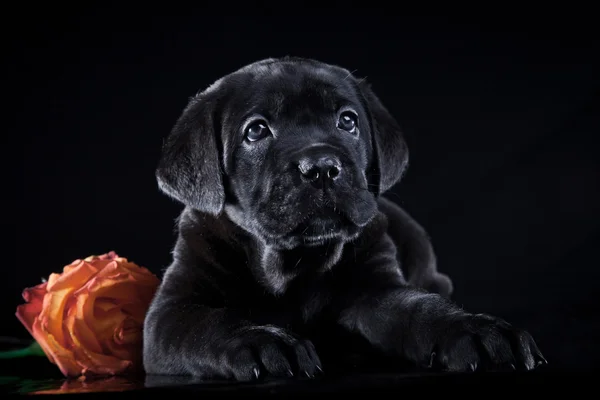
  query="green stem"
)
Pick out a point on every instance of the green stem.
point(32, 350)
point(15, 353)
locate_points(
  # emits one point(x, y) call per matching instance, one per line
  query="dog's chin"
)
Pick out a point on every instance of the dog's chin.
point(320, 228)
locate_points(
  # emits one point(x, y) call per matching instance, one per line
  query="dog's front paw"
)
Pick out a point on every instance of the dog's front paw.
point(480, 341)
point(262, 351)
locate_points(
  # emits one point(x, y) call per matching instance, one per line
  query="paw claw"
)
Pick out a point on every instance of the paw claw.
point(432, 358)
point(290, 373)
point(256, 372)
point(319, 368)
point(472, 367)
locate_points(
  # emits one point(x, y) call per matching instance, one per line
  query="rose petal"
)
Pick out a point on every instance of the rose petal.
point(53, 311)
point(60, 356)
point(99, 323)
point(112, 306)
point(104, 305)
point(111, 255)
point(60, 288)
point(100, 364)
point(126, 341)
point(140, 274)
point(128, 333)
point(27, 313)
point(80, 333)
point(73, 276)
point(104, 321)
point(102, 325)
point(136, 311)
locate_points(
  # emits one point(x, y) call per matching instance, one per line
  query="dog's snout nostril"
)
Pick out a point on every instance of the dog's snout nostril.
point(333, 172)
point(312, 174)
point(323, 168)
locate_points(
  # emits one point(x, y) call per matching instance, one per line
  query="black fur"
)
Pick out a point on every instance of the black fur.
point(277, 272)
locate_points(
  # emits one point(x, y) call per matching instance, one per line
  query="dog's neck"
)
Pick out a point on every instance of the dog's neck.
point(276, 267)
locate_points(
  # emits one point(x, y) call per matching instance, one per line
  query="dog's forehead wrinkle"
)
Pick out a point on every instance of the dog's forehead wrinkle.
point(308, 105)
point(295, 92)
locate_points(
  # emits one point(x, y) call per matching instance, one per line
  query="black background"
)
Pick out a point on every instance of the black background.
point(501, 117)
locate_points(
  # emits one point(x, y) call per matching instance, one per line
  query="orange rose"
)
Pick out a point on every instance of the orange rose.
point(88, 319)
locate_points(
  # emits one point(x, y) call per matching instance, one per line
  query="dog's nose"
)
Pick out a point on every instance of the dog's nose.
point(325, 168)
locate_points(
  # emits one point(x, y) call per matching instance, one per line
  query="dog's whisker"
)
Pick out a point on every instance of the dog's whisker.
point(298, 263)
point(349, 74)
point(305, 229)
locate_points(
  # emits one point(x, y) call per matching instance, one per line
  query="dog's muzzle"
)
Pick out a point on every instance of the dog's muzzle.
point(319, 166)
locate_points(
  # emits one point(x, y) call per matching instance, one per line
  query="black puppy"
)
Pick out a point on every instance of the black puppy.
point(286, 249)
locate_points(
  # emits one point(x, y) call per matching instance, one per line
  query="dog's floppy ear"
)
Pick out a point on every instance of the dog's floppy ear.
point(189, 168)
point(389, 146)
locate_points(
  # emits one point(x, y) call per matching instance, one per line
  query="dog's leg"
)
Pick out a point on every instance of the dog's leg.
point(424, 327)
point(415, 251)
point(184, 336)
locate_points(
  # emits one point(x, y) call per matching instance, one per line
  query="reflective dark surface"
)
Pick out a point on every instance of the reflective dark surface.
point(568, 340)
point(352, 383)
point(36, 376)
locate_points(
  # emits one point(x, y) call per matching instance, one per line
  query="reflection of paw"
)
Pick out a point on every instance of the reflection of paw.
point(484, 342)
point(269, 351)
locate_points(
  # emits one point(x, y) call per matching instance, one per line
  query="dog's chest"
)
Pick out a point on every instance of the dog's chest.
point(302, 303)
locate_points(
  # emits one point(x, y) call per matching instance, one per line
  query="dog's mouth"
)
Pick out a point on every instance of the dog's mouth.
point(321, 224)
point(311, 217)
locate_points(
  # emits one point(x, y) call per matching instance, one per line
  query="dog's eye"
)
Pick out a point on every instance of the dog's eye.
point(348, 121)
point(257, 130)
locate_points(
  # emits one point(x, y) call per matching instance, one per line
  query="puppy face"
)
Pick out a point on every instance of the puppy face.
point(298, 155)
point(292, 150)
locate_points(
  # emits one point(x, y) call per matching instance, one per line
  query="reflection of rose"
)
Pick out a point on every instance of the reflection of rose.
point(113, 384)
point(88, 319)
